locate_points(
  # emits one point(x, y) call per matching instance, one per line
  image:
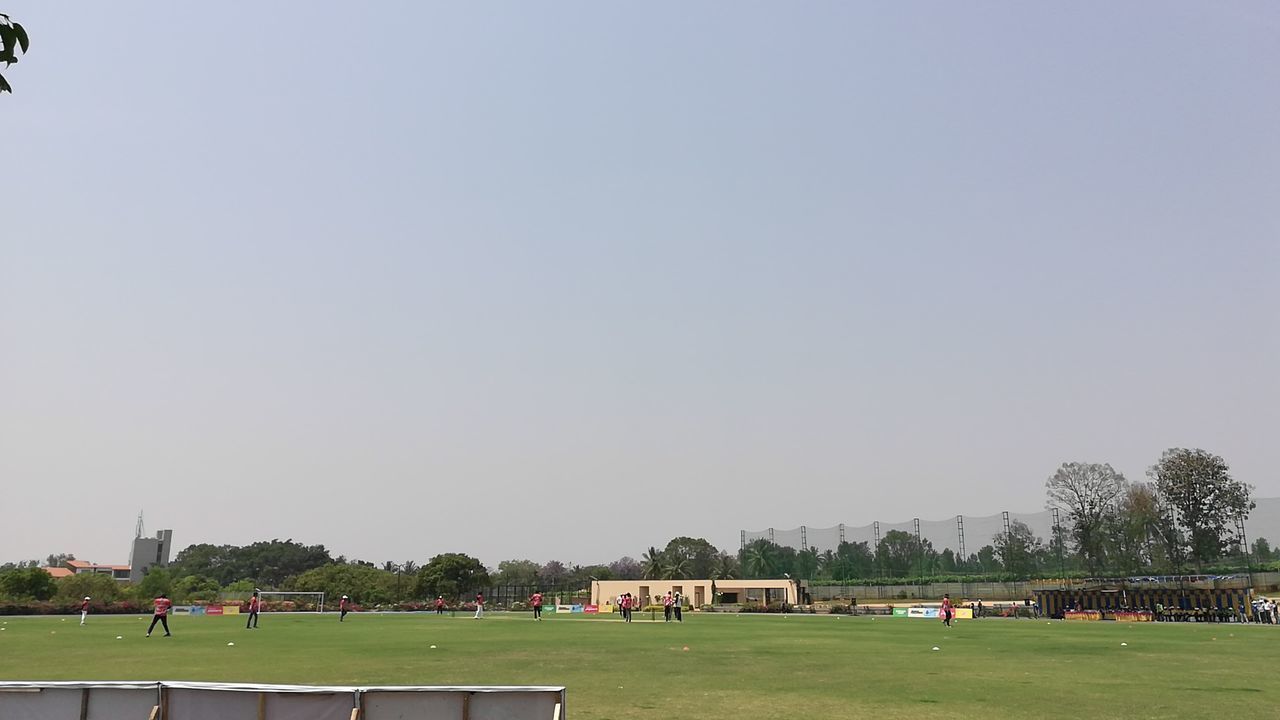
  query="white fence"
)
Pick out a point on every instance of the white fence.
point(234, 701)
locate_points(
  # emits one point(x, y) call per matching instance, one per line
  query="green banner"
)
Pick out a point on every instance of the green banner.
point(899, 612)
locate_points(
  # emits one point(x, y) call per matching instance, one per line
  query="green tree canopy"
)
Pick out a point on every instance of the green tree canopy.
point(27, 582)
point(1087, 492)
point(365, 584)
point(901, 553)
point(516, 572)
point(98, 586)
point(689, 558)
point(195, 587)
point(268, 563)
point(1199, 487)
point(626, 568)
point(453, 575)
point(1018, 549)
point(158, 580)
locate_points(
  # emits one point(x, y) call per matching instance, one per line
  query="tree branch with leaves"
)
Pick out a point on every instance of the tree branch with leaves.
point(13, 41)
point(1088, 493)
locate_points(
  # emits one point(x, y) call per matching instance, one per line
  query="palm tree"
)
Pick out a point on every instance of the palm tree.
point(807, 563)
point(409, 567)
point(390, 566)
point(761, 558)
point(826, 562)
point(675, 569)
point(652, 564)
point(724, 567)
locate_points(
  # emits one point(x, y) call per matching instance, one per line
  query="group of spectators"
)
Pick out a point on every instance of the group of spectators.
point(1264, 611)
point(1169, 613)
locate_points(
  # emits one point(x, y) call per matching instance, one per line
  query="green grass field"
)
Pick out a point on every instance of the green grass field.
point(736, 666)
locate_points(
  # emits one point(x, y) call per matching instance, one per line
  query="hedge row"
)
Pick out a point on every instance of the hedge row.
point(123, 607)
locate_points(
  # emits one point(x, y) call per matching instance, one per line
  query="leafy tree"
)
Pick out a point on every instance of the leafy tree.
point(268, 563)
point(59, 560)
point(857, 559)
point(195, 587)
point(1199, 487)
point(517, 572)
point(1131, 528)
point(807, 564)
point(899, 553)
point(13, 40)
point(27, 582)
point(452, 575)
point(365, 585)
point(1017, 549)
point(95, 585)
point(1058, 554)
point(986, 560)
point(553, 573)
point(247, 586)
point(156, 581)
point(626, 568)
point(1262, 550)
point(1087, 492)
point(690, 558)
point(947, 561)
point(581, 577)
point(786, 561)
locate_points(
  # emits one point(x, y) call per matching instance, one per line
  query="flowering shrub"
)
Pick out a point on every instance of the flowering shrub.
point(123, 607)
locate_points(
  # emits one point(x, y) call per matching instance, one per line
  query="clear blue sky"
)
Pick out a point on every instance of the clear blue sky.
point(564, 280)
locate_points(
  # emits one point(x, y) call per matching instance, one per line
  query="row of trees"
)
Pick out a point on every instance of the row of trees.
point(1188, 515)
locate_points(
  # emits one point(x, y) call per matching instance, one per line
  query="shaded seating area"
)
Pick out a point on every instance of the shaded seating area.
point(1162, 604)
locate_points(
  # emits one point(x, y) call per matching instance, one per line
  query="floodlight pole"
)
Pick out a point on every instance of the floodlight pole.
point(919, 557)
point(1244, 545)
point(876, 528)
point(1057, 536)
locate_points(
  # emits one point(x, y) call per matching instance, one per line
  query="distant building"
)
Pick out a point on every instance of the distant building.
point(80, 567)
point(147, 553)
point(700, 592)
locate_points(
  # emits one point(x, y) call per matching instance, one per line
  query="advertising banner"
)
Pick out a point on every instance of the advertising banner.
point(917, 612)
point(1133, 617)
point(568, 608)
point(213, 610)
point(899, 612)
point(196, 610)
point(230, 609)
point(590, 608)
point(1083, 615)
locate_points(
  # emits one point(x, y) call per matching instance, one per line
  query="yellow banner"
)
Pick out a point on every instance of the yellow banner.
point(230, 609)
point(1133, 617)
point(1084, 615)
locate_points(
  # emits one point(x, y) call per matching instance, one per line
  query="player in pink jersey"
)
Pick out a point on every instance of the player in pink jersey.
point(160, 614)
